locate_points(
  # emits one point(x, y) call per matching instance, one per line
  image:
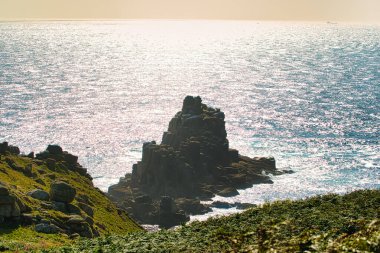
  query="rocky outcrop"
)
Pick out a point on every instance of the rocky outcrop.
point(39, 194)
point(6, 148)
point(54, 154)
point(51, 193)
point(193, 161)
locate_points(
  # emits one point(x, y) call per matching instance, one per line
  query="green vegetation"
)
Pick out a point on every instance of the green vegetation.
point(107, 218)
point(330, 223)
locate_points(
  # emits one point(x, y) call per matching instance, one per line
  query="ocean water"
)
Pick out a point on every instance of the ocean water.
point(306, 93)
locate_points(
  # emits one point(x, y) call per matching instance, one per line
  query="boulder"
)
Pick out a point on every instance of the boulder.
point(221, 204)
point(86, 208)
point(72, 209)
point(228, 192)
point(69, 158)
point(5, 147)
point(192, 206)
point(10, 205)
point(28, 170)
point(59, 206)
point(62, 192)
point(39, 194)
point(78, 224)
point(54, 149)
point(14, 150)
point(47, 228)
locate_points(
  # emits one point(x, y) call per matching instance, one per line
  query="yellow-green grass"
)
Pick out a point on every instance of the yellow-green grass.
point(106, 218)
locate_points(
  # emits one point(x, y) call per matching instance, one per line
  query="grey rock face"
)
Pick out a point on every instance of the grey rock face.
point(9, 205)
point(39, 194)
point(193, 161)
point(54, 150)
point(62, 192)
point(47, 228)
point(79, 225)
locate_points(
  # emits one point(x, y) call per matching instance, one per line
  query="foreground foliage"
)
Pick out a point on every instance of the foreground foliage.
point(329, 223)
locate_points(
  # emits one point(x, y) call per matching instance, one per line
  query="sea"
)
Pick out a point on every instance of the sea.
point(307, 94)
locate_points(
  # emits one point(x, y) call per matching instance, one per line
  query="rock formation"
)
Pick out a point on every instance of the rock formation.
point(193, 162)
point(52, 194)
point(62, 192)
point(11, 206)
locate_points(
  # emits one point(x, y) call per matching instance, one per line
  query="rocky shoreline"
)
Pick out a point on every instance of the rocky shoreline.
point(193, 162)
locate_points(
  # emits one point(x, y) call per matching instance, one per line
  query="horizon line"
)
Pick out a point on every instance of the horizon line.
point(186, 19)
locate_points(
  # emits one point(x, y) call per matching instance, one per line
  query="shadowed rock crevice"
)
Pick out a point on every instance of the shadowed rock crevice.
point(193, 162)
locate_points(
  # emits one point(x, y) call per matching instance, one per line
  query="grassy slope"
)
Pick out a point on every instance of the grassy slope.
point(106, 217)
point(328, 223)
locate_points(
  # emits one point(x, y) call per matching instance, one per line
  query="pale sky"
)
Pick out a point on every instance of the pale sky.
point(307, 10)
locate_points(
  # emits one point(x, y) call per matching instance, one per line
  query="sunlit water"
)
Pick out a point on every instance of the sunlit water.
point(308, 94)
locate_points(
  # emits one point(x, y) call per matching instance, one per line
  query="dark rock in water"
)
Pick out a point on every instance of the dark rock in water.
point(192, 105)
point(192, 206)
point(193, 161)
point(221, 204)
point(228, 192)
point(62, 192)
point(168, 215)
point(39, 194)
